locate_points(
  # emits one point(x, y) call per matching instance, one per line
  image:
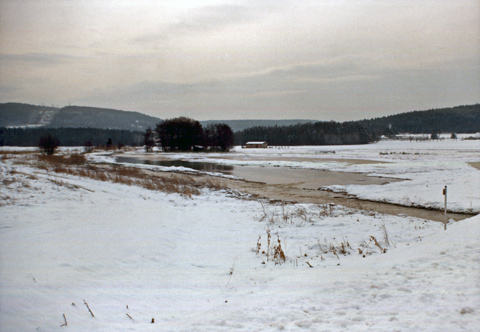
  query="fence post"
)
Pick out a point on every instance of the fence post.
point(445, 194)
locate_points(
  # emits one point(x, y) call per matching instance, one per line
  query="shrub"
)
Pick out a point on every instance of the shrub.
point(48, 144)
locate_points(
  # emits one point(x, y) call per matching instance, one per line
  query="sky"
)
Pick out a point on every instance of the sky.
point(274, 59)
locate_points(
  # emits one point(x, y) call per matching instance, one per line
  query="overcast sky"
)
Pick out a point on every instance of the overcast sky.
point(325, 60)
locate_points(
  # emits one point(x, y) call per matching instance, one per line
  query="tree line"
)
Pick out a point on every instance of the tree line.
point(317, 133)
point(70, 136)
point(460, 119)
point(185, 134)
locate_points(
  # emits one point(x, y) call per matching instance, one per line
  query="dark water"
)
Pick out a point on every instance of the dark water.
point(198, 166)
point(304, 178)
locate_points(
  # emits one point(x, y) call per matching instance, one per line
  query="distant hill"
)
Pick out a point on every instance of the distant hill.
point(460, 119)
point(16, 114)
point(25, 115)
point(91, 117)
point(33, 116)
point(238, 125)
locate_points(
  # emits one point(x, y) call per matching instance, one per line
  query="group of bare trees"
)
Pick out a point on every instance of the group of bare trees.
point(185, 134)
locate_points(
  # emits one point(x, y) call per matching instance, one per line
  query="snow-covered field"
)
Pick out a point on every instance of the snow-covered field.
point(201, 264)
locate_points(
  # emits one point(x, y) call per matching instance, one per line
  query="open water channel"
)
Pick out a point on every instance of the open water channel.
point(297, 185)
point(308, 178)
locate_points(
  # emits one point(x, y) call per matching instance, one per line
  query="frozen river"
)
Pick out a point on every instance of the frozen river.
point(293, 184)
point(306, 178)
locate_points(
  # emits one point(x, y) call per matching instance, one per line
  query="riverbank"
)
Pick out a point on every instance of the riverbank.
point(300, 186)
point(400, 173)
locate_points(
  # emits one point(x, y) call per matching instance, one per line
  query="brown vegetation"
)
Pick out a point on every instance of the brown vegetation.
point(76, 164)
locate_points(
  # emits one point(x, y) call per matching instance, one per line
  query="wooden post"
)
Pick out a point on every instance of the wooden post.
point(446, 218)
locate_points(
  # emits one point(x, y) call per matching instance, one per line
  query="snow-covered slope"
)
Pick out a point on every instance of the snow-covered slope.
point(192, 265)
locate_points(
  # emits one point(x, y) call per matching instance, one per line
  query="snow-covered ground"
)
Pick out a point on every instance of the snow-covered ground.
point(195, 264)
point(426, 166)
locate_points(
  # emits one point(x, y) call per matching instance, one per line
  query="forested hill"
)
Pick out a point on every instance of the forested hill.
point(318, 133)
point(238, 125)
point(33, 116)
point(16, 115)
point(460, 119)
point(91, 117)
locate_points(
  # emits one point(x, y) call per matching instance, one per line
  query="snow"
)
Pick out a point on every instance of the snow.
point(192, 265)
point(426, 166)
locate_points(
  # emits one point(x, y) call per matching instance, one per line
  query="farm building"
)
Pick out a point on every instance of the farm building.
point(256, 145)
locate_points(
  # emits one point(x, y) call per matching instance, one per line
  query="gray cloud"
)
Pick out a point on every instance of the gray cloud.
point(275, 91)
point(36, 59)
point(212, 18)
point(7, 90)
point(243, 59)
point(200, 21)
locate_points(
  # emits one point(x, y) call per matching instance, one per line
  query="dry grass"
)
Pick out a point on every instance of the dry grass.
point(61, 161)
point(278, 253)
point(342, 248)
point(18, 156)
point(274, 252)
point(386, 238)
point(77, 165)
point(286, 215)
point(374, 240)
point(300, 216)
point(8, 181)
point(16, 153)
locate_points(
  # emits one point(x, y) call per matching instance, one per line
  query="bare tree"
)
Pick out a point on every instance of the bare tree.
point(48, 144)
point(149, 140)
point(179, 134)
point(219, 136)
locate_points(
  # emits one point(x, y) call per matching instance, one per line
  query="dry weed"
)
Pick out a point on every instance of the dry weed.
point(342, 248)
point(278, 253)
point(386, 238)
point(374, 240)
point(259, 245)
point(273, 252)
point(9, 181)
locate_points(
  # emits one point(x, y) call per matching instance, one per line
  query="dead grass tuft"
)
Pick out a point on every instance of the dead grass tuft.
point(8, 181)
point(342, 248)
point(374, 240)
point(61, 161)
point(278, 253)
point(274, 252)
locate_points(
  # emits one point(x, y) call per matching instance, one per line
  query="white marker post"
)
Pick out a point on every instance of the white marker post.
point(445, 194)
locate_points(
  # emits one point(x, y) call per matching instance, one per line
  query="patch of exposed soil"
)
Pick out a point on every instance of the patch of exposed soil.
point(293, 193)
point(476, 165)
